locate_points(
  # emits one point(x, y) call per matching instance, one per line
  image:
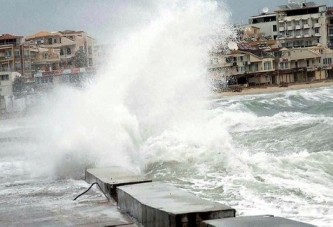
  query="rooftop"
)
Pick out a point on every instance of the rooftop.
point(296, 6)
point(9, 36)
point(42, 34)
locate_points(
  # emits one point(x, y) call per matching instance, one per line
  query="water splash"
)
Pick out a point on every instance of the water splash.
point(151, 93)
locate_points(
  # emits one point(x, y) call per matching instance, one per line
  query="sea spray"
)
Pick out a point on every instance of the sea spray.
point(151, 93)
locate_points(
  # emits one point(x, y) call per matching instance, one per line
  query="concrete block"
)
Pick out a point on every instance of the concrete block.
point(159, 204)
point(112, 177)
point(249, 221)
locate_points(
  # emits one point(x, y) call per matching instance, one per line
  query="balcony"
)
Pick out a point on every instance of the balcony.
point(306, 26)
point(316, 25)
point(6, 58)
point(306, 35)
point(281, 29)
point(315, 16)
point(317, 34)
point(298, 27)
point(290, 28)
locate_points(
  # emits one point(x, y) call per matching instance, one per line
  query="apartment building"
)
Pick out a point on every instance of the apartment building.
point(302, 24)
point(14, 55)
point(82, 42)
point(263, 62)
point(248, 65)
point(51, 51)
point(267, 24)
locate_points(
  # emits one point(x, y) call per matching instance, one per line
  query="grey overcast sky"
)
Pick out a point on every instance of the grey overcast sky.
point(102, 17)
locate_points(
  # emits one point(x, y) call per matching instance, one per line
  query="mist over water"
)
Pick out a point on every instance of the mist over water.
point(149, 111)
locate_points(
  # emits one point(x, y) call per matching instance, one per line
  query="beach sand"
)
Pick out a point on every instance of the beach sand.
point(273, 89)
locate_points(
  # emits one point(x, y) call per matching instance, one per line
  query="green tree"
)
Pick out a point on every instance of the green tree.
point(80, 59)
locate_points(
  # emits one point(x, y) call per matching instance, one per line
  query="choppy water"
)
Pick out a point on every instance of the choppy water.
point(263, 154)
point(280, 161)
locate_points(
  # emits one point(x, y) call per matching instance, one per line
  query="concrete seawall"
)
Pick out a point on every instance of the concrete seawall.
point(159, 204)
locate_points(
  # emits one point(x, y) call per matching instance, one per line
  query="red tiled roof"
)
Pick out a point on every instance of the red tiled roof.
point(42, 34)
point(9, 36)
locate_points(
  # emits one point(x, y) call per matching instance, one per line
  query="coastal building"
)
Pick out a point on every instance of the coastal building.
point(265, 62)
point(266, 22)
point(6, 90)
point(301, 24)
point(51, 51)
point(83, 43)
point(14, 55)
point(248, 65)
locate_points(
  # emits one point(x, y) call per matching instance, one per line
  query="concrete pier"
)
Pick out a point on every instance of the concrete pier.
point(249, 221)
point(159, 204)
point(112, 177)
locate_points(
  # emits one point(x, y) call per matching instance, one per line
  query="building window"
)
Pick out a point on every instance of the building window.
point(316, 30)
point(8, 54)
point(68, 51)
point(274, 28)
point(61, 51)
point(17, 53)
point(267, 65)
point(54, 40)
point(5, 77)
point(50, 41)
point(298, 32)
point(307, 63)
point(284, 65)
point(330, 32)
point(255, 67)
point(327, 61)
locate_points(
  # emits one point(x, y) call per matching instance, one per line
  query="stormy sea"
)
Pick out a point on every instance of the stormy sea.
point(150, 110)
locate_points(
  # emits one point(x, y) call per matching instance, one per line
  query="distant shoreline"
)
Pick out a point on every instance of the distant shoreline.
point(274, 89)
